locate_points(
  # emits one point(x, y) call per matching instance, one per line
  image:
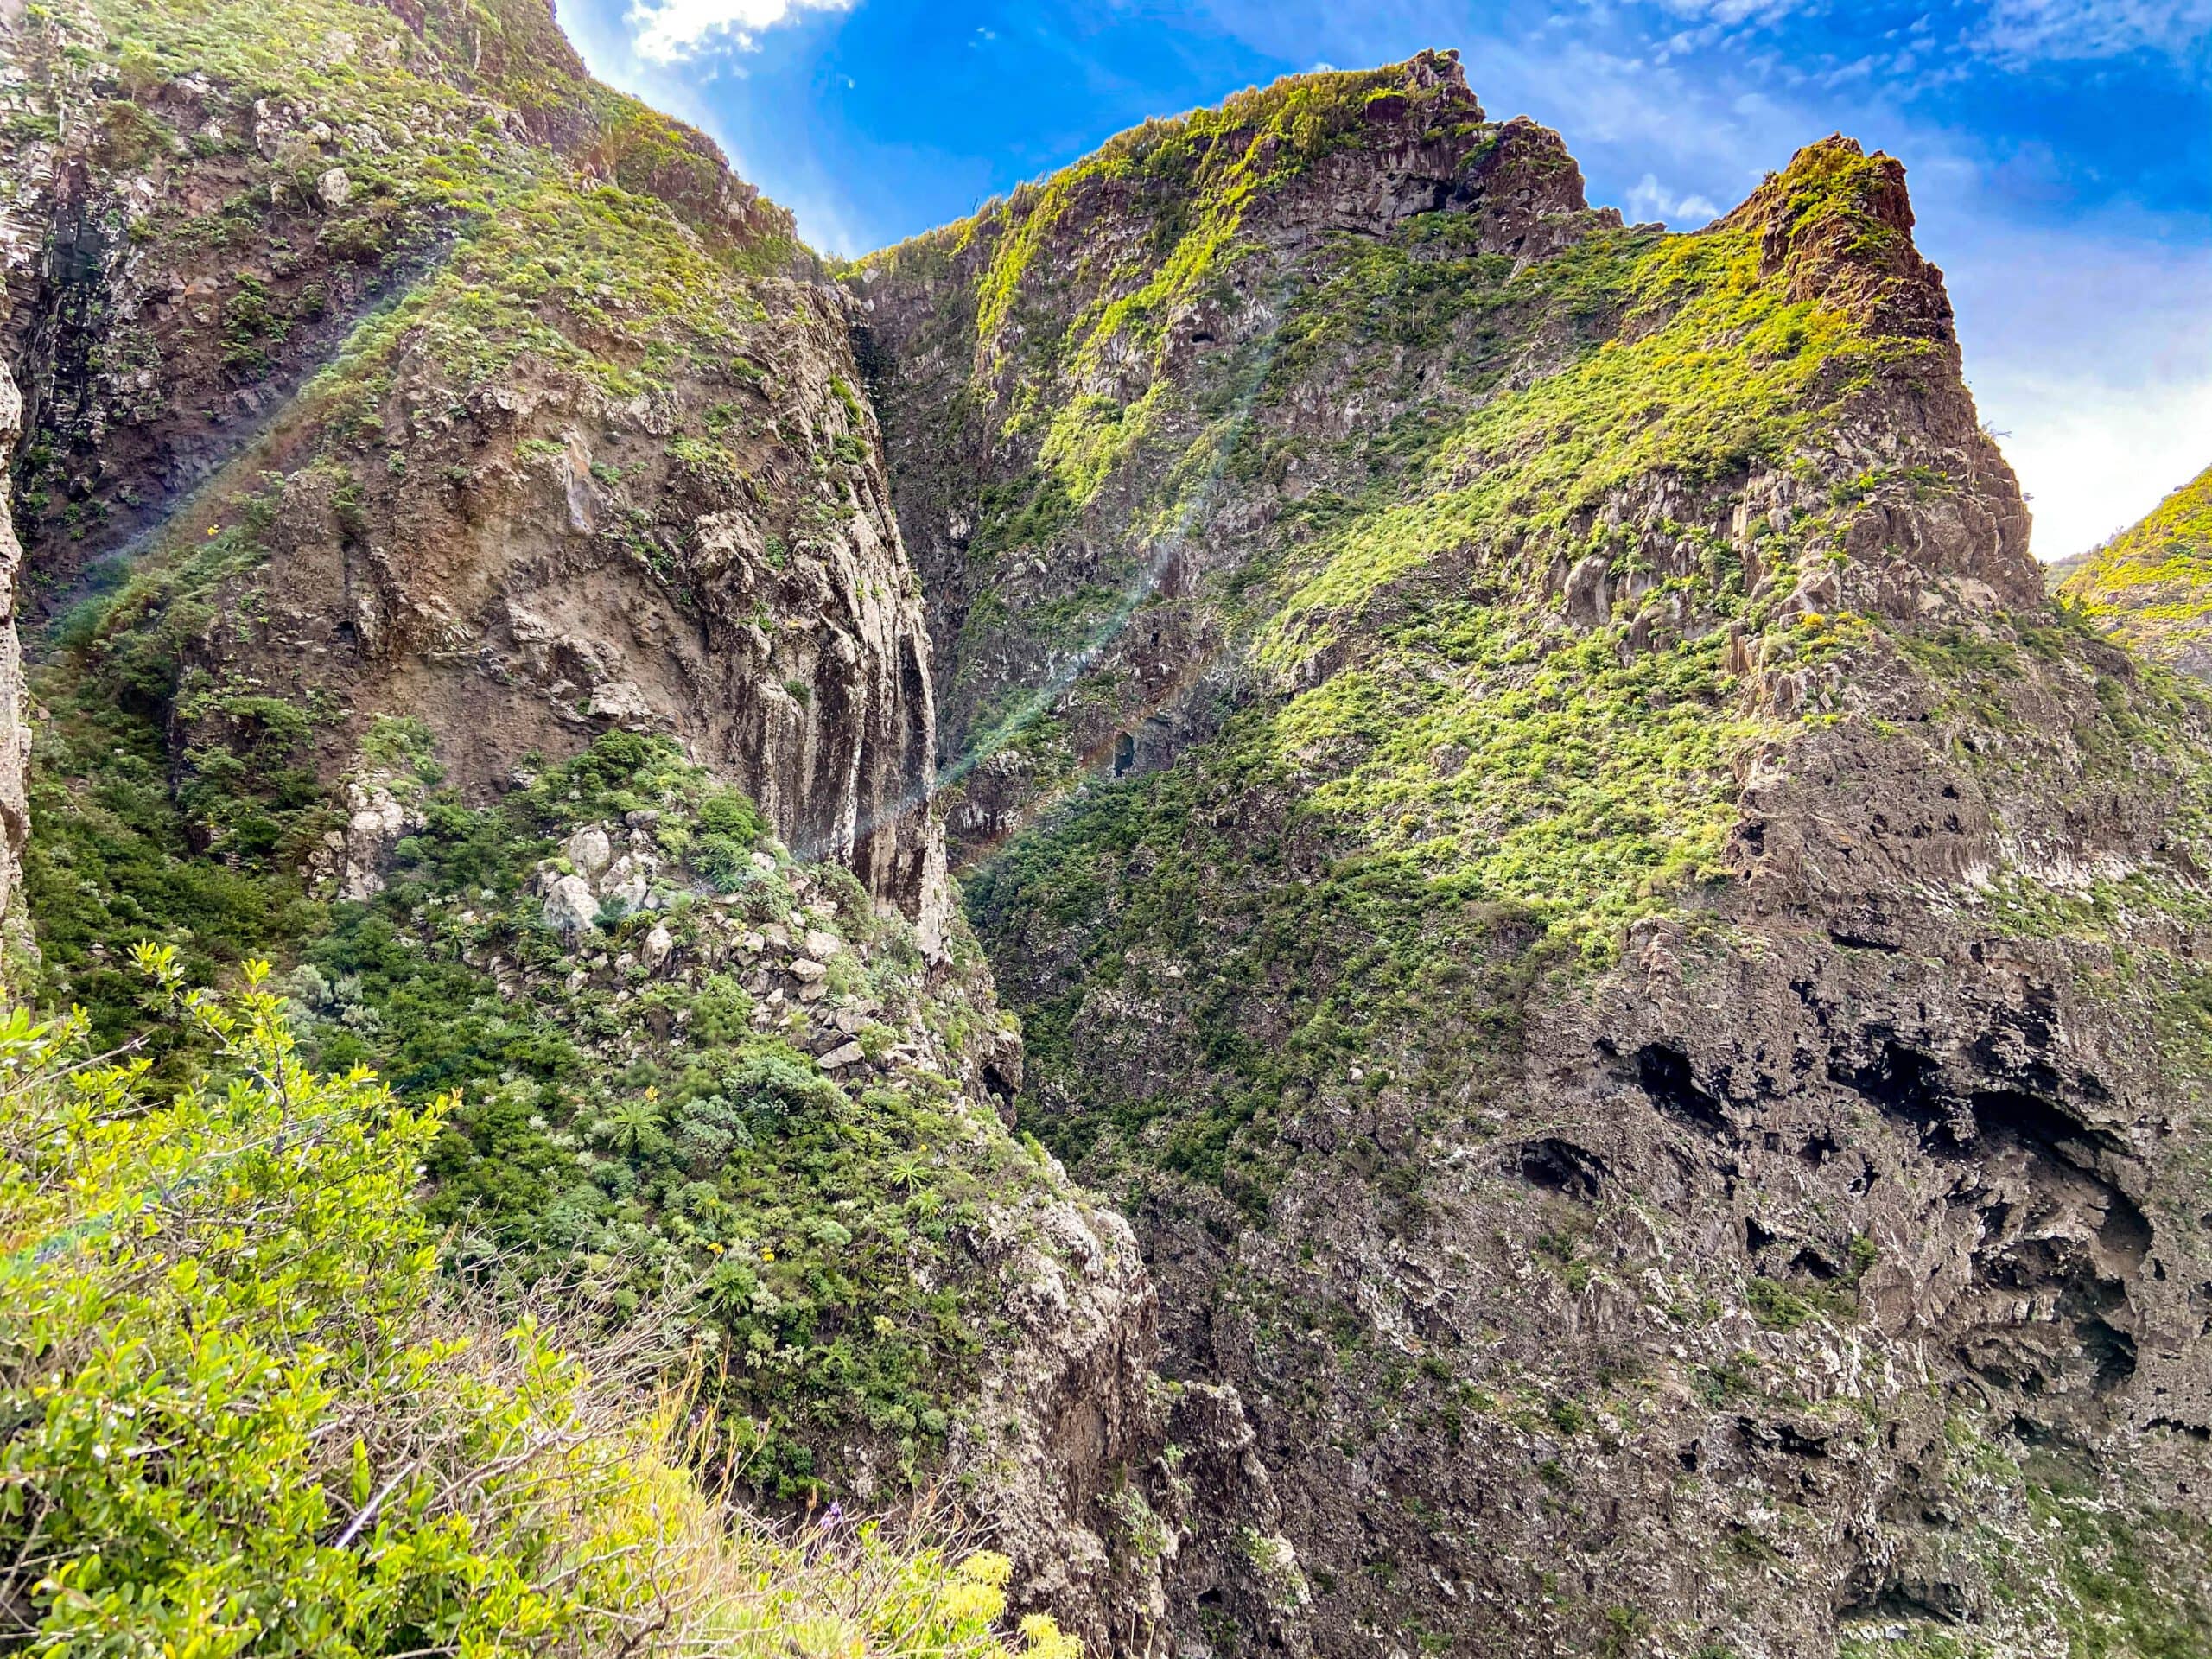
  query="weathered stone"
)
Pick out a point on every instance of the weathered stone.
point(1586, 603)
point(570, 905)
point(590, 851)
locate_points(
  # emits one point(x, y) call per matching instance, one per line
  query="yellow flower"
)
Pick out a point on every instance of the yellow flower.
point(767, 1254)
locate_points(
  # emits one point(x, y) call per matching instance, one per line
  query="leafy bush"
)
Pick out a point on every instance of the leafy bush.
point(245, 1415)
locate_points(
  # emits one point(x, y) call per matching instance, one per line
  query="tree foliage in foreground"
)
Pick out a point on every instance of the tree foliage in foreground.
point(243, 1413)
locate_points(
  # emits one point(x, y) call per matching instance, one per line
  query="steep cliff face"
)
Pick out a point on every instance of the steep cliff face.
point(1640, 989)
point(468, 428)
point(1066, 381)
point(461, 567)
point(2149, 584)
point(42, 94)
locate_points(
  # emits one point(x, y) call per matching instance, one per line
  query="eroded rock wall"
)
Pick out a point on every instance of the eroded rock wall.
point(1641, 985)
point(410, 418)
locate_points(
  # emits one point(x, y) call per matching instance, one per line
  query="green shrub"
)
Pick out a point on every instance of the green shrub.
point(247, 1417)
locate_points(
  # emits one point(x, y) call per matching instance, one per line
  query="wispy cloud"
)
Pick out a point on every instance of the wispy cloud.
point(1730, 13)
point(666, 31)
point(1648, 199)
point(2097, 367)
point(2024, 30)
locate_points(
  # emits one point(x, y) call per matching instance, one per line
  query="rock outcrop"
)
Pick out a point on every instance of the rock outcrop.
point(42, 95)
point(412, 422)
point(552, 475)
point(1638, 980)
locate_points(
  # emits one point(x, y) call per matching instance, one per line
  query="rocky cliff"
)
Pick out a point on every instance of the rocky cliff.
point(42, 97)
point(513, 412)
point(1638, 985)
point(460, 566)
point(2148, 585)
point(1612, 1040)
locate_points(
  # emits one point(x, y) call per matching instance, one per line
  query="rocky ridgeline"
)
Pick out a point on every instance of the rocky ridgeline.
point(1641, 986)
point(1636, 988)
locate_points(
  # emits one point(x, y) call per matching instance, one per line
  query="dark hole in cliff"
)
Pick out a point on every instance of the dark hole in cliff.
point(1666, 1076)
point(2112, 1348)
point(1945, 1602)
point(2001, 1114)
point(998, 1087)
point(2048, 1133)
point(1856, 939)
point(2175, 1425)
point(1812, 1264)
point(1899, 1081)
point(1125, 753)
point(1756, 1238)
point(1797, 1444)
point(1560, 1166)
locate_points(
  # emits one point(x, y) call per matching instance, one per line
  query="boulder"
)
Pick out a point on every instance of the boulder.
point(570, 905)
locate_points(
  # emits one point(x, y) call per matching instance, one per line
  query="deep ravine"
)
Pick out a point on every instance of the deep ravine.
point(1611, 1047)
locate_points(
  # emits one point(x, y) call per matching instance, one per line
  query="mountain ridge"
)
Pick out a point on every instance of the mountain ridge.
point(1470, 643)
point(1610, 1041)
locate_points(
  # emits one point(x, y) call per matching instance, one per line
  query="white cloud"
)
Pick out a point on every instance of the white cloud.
point(2095, 457)
point(666, 31)
point(2093, 355)
point(1648, 199)
point(1730, 13)
point(2024, 29)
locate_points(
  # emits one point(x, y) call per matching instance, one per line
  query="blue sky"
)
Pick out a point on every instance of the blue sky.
point(2059, 151)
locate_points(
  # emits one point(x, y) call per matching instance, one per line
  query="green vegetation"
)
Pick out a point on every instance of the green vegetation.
point(829, 1228)
point(2152, 584)
point(249, 1417)
point(1438, 791)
